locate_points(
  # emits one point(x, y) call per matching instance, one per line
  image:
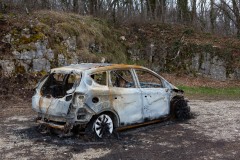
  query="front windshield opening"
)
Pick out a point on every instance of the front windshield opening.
point(59, 84)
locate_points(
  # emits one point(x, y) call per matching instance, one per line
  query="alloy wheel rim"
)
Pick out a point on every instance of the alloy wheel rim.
point(103, 125)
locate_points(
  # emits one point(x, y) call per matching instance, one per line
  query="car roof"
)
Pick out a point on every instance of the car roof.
point(93, 67)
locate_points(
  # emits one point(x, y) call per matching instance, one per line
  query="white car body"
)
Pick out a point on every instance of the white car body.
point(78, 96)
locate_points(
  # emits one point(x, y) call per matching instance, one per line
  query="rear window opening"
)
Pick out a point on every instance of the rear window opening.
point(100, 78)
point(58, 84)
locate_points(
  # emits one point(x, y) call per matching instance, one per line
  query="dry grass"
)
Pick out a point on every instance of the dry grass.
point(87, 30)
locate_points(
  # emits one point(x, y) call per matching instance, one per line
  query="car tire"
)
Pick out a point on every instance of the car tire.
point(101, 126)
point(181, 110)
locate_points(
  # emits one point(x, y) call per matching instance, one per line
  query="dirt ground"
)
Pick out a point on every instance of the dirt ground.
point(214, 133)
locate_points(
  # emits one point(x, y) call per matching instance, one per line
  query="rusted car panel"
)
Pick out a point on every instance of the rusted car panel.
point(102, 96)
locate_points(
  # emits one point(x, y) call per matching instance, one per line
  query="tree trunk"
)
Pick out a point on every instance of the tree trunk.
point(182, 7)
point(91, 7)
point(1, 6)
point(151, 6)
point(194, 12)
point(45, 4)
point(162, 10)
point(238, 28)
point(114, 12)
point(75, 6)
point(212, 16)
point(237, 16)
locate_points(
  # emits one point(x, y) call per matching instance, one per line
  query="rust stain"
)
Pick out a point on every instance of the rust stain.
point(40, 103)
point(49, 106)
point(117, 66)
point(61, 127)
point(142, 124)
point(110, 97)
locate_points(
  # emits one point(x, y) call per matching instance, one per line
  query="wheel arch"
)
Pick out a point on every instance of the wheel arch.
point(173, 102)
point(113, 114)
point(179, 108)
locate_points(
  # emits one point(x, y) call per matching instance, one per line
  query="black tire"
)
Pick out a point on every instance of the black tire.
point(181, 110)
point(101, 126)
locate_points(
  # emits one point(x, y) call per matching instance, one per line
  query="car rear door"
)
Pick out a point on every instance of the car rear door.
point(155, 97)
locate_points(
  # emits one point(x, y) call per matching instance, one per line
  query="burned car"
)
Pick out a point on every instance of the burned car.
point(103, 97)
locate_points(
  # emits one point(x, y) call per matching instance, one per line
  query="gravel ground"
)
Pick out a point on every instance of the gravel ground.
point(213, 133)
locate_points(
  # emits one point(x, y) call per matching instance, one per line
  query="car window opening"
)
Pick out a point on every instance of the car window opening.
point(58, 84)
point(148, 80)
point(122, 79)
point(100, 78)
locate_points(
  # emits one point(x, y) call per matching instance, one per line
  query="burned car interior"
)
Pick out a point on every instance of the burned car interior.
point(58, 84)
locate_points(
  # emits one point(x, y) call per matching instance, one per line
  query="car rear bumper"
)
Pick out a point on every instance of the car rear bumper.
point(52, 125)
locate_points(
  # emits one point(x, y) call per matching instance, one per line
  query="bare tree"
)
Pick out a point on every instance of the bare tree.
point(76, 6)
point(202, 14)
point(161, 10)
point(231, 12)
point(194, 11)
point(212, 16)
point(183, 11)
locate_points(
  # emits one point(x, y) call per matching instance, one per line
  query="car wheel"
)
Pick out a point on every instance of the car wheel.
point(103, 126)
point(181, 110)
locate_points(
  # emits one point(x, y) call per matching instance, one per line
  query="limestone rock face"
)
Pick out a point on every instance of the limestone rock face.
point(213, 67)
point(25, 64)
point(61, 60)
point(41, 48)
point(205, 65)
point(218, 69)
point(50, 54)
point(37, 56)
point(196, 62)
point(24, 55)
point(41, 65)
point(31, 52)
point(7, 67)
point(237, 73)
point(7, 38)
point(35, 60)
point(71, 43)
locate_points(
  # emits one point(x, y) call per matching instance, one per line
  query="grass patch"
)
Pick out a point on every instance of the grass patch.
point(211, 93)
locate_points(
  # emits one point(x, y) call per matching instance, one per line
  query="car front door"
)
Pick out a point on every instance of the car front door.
point(155, 98)
point(125, 97)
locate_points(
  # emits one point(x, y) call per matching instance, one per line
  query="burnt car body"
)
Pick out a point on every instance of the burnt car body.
point(101, 97)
